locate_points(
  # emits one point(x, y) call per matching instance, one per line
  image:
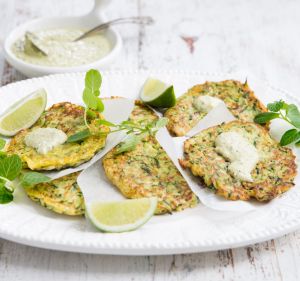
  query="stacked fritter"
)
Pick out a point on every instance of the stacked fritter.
point(276, 169)
point(62, 195)
point(238, 97)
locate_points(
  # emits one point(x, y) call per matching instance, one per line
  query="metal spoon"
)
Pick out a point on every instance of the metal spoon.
point(102, 26)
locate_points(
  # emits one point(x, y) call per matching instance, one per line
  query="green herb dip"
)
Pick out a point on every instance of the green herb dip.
point(61, 50)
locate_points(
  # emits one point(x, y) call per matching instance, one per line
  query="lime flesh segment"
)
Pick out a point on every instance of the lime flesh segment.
point(158, 94)
point(121, 216)
point(23, 114)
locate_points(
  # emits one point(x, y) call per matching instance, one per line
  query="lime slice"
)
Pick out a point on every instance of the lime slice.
point(23, 113)
point(158, 94)
point(121, 216)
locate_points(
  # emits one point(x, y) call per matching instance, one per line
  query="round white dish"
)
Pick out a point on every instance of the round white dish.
point(92, 19)
point(195, 230)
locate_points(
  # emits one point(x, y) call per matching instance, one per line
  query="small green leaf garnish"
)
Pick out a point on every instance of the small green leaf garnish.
point(293, 114)
point(276, 106)
point(33, 178)
point(128, 144)
point(6, 195)
point(265, 117)
point(80, 136)
point(289, 136)
point(2, 143)
point(10, 167)
point(93, 81)
point(105, 122)
point(287, 112)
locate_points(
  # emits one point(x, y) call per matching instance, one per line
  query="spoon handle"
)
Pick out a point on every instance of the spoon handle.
point(102, 26)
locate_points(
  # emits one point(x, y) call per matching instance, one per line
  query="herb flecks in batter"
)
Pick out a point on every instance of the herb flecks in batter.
point(287, 112)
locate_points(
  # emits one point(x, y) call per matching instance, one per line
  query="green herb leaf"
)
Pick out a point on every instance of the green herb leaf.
point(93, 81)
point(263, 118)
point(89, 99)
point(5, 195)
point(289, 137)
point(10, 167)
point(293, 114)
point(33, 178)
point(276, 106)
point(161, 122)
point(128, 144)
point(91, 114)
point(100, 105)
point(80, 136)
point(297, 143)
point(2, 143)
point(106, 123)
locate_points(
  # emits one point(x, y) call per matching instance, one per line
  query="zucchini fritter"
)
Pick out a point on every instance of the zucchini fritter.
point(69, 118)
point(61, 195)
point(238, 97)
point(148, 171)
point(273, 174)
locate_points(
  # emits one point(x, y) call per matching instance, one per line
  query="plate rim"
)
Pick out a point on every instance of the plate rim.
point(152, 248)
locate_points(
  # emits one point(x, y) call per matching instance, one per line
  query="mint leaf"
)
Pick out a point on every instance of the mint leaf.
point(263, 118)
point(276, 106)
point(161, 122)
point(33, 178)
point(91, 114)
point(93, 81)
point(289, 137)
point(128, 144)
point(2, 143)
point(100, 105)
point(89, 99)
point(106, 123)
point(5, 195)
point(293, 114)
point(10, 167)
point(80, 136)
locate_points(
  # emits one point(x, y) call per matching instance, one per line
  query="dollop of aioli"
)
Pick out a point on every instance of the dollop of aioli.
point(240, 152)
point(45, 139)
point(206, 103)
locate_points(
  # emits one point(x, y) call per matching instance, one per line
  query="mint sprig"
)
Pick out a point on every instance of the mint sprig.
point(11, 174)
point(136, 131)
point(287, 112)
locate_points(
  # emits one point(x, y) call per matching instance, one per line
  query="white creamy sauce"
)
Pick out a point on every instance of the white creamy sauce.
point(206, 103)
point(45, 139)
point(240, 152)
point(61, 50)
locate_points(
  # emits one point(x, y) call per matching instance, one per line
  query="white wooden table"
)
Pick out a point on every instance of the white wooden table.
point(257, 36)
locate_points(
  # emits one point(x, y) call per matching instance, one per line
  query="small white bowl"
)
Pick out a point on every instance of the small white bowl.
point(95, 17)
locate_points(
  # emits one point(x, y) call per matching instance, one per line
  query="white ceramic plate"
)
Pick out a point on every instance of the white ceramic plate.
point(195, 230)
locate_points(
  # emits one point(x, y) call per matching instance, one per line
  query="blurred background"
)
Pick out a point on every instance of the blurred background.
point(261, 37)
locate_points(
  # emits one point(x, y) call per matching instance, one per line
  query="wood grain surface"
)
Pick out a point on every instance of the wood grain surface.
point(259, 36)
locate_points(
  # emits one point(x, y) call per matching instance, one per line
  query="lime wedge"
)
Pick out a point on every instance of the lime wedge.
point(158, 94)
point(121, 216)
point(23, 113)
